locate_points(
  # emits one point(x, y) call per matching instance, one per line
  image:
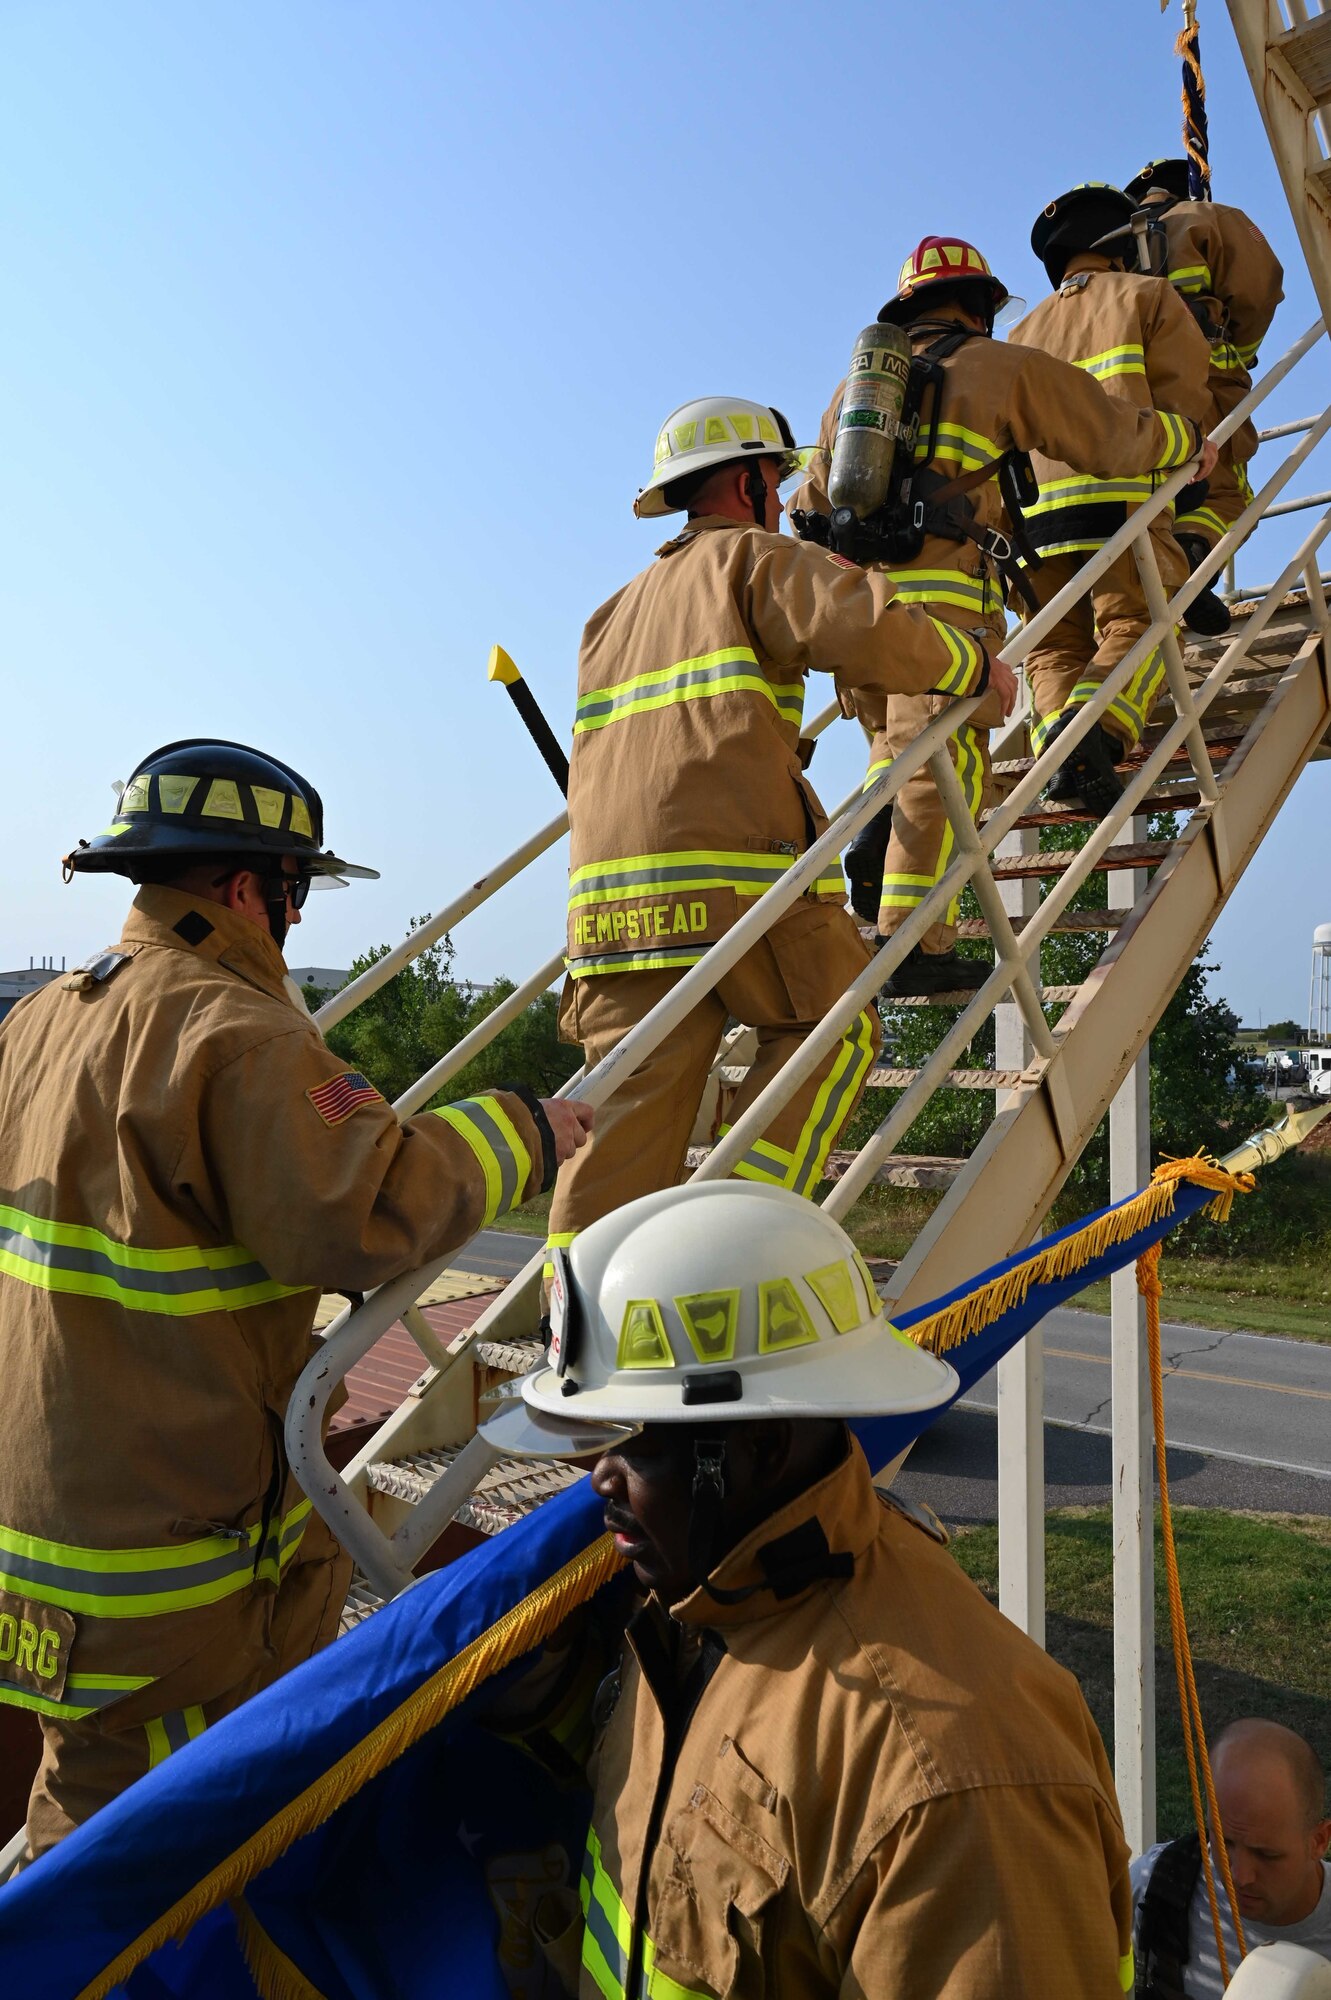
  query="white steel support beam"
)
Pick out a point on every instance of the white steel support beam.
point(1020, 1373)
point(1134, 1513)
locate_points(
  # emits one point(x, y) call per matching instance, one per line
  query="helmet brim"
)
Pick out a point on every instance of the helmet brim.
point(652, 503)
point(116, 854)
point(873, 1372)
point(520, 1431)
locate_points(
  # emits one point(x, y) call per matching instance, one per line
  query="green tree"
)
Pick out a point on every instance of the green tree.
point(413, 1021)
point(1201, 1095)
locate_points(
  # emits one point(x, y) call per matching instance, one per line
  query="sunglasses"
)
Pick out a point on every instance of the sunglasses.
point(296, 887)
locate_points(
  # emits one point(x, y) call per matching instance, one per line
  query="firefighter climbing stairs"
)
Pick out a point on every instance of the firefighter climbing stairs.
point(1241, 717)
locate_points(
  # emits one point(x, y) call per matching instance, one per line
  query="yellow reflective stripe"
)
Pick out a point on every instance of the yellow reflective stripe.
point(85, 1694)
point(697, 679)
point(643, 878)
point(76, 1258)
point(1248, 354)
point(1228, 359)
point(608, 1929)
point(172, 1731)
point(1191, 278)
point(1127, 359)
point(966, 658)
point(833, 1105)
point(1127, 1971)
point(875, 772)
point(1203, 519)
point(142, 1582)
point(503, 1159)
point(945, 586)
point(970, 449)
point(646, 961)
point(1056, 494)
point(902, 891)
point(1178, 440)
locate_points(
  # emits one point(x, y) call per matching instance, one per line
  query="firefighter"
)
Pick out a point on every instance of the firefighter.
point(821, 1750)
point(1134, 335)
point(995, 403)
point(687, 799)
point(185, 1165)
point(1231, 280)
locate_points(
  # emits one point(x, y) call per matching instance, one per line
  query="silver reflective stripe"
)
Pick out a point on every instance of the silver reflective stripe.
point(131, 1277)
point(126, 1582)
point(764, 872)
point(177, 1733)
point(856, 1053)
point(510, 1174)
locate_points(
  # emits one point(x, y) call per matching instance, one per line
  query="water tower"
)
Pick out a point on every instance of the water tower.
point(1319, 992)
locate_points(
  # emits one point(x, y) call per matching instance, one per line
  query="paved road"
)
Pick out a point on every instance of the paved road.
point(1248, 1418)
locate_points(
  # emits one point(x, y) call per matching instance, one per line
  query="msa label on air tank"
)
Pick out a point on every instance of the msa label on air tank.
point(863, 420)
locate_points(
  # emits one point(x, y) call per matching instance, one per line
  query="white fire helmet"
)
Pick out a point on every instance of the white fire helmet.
point(710, 431)
point(715, 1302)
point(1281, 1972)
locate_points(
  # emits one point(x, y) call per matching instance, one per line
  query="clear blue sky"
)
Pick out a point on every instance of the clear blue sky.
point(337, 337)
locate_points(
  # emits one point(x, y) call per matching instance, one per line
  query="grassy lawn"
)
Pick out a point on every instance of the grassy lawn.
point(1258, 1595)
point(1245, 1293)
point(532, 1219)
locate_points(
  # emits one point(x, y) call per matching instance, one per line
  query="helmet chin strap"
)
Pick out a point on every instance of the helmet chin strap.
point(758, 495)
point(276, 906)
point(707, 1500)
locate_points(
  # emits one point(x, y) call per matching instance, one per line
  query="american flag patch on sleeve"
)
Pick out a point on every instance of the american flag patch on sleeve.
point(341, 1095)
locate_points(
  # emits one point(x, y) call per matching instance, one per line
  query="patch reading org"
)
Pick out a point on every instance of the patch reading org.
point(35, 1642)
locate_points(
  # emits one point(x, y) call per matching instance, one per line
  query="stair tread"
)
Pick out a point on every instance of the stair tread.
point(1306, 47)
point(1056, 860)
point(502, 1496)
point(1070, 921)
point(507, 1357)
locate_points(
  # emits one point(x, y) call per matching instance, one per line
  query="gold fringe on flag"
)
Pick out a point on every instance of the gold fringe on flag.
point(274, 1975)
point(981, 1308)
point(520, 1629)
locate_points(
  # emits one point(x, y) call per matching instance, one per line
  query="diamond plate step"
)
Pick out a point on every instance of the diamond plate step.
point(1133, 854)
point(508, 1357)
point(505, 1493)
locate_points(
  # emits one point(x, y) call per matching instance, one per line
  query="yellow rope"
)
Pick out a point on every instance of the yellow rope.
point(1204, 1172)
point(988, 1303)
point(519, 1629)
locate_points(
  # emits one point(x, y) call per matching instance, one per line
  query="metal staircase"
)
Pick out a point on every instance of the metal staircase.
point(1241, 719)
point(1247, 714)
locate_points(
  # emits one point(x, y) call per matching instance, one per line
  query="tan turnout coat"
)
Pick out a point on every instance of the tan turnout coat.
point(884, 1789)
point(1220, 262)
point(1137, 338)
point(686, 795)
point(181, 1172)
point(998, 396)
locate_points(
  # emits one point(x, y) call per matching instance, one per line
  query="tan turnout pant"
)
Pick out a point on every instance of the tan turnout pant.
point(87, 1764)
point(1068, 668)
point(782, 987)
point(923, 843)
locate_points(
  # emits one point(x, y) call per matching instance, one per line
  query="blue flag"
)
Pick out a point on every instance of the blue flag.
point(354, 1832)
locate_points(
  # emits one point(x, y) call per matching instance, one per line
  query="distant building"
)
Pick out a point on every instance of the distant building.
point(15, 986)
point(326, 978)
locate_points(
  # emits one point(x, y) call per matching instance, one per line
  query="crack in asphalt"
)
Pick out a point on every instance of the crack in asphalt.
point(1168, 1363)
point(1171, 1361)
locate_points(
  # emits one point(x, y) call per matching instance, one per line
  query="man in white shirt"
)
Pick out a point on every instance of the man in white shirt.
point(1271, 1791)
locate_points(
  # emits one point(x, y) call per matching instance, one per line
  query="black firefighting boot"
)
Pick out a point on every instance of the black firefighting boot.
point(1208, 613)
point(864, 860)
point(923, 972)
point(1087, 776)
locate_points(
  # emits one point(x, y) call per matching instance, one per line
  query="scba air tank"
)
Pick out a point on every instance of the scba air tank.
point(871, 424)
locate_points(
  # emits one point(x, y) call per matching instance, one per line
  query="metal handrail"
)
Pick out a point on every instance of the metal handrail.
point(353, 1332)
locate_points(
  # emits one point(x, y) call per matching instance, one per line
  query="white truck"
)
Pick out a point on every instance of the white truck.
point(1319, 1071)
